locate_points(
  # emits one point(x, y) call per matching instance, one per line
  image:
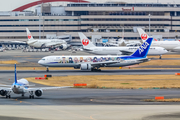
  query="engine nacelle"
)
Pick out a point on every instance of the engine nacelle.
point(63, 46)
point(38, 93)
point(86, 67)
point(3, 92)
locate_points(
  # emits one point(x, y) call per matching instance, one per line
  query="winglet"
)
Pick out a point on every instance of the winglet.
point(15, 74)
point(85, 41)
point(30, 37)
point(142, 51)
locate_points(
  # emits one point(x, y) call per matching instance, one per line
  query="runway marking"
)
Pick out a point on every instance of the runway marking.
point(92, 118)
point(81, 116)
point(22, 56)
point(2, 84)
point(34, 58)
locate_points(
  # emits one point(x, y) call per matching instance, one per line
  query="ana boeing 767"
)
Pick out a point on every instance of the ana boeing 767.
point(93, 63)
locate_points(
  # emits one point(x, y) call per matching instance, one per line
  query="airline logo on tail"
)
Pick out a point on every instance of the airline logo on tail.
point(144, 36)
point(29, 36)
point(85, 42)
point(143, 47)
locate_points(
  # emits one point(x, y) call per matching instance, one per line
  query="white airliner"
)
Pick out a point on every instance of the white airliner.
point(44, 43)
point(168, 45)
point(93, 63)
point(123, 42)
point(91, 48)
point(22, 87)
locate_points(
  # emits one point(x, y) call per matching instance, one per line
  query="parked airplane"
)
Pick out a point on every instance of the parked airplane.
point(44, 43)
point(93, 63)
point(1, 48)
point(123, 42)
point(168, 45)
point(91, 48)
point(22, 87)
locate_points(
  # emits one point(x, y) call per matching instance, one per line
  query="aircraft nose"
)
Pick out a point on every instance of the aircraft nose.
point(40, 62)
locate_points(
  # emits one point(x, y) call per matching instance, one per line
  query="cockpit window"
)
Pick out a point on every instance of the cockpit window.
point(42, 59)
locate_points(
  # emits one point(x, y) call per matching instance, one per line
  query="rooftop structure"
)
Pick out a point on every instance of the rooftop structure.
point(105, 19)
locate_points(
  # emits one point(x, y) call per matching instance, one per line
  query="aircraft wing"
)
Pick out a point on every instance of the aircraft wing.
point(126, 52)
point(5, 85)
point(31, 42)
point(103, 63)
point(47, 88)
point(53, 44)
point(5, 88)
point(144, 60)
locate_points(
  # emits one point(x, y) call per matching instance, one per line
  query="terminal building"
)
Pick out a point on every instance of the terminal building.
point(106, 19)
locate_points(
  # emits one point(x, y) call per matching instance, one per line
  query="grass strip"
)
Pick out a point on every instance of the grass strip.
point(9, 62)
point(115, 81)
point(163, 100)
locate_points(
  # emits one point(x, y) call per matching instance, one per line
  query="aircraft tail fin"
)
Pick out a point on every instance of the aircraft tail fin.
point(144, 36)
point(30, 37)
point(15, 74)
point(85, 41)
point(143, 50)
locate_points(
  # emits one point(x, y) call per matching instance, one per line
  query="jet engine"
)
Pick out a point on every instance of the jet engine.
point(38, 93)
point(3, 92)
point(63, 46)
point(86, 67)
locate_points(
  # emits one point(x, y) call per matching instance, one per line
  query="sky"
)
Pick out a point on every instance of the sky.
point(9, 5)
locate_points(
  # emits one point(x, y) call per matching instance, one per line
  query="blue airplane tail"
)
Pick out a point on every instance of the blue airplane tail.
point(142, 51)
point(15, 74)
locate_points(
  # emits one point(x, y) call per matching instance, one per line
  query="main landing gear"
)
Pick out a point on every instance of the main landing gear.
point(47, 69)
point(95, 69)
point(160, 56)
point(31, 96)
point(8, 95)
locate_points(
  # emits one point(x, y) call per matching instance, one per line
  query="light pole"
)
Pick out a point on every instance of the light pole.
point(39, 26)
point(149, 24)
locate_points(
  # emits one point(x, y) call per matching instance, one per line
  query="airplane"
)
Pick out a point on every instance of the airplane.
point(93, 63)
point(123, 42)
point(91, 48)
point(173, 46)
point(1, 48)
point(45, 43)
point(22, 87)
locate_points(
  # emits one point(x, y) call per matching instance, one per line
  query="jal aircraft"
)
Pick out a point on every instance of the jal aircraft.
point(91, 48)
point(22, 87)
point(93, 63)
point(44, 43)
point(168, 45)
